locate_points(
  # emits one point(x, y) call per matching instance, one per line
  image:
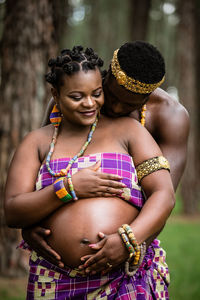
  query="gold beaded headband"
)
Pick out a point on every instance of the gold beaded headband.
point(129, 83)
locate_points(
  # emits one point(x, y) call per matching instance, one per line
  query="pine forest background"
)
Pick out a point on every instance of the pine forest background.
point(33, 31)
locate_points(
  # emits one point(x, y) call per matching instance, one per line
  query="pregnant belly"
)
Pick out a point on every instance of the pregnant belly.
point(76, 225)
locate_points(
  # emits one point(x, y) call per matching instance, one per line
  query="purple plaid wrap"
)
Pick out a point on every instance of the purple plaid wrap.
point(112, 163)
point(47, 281)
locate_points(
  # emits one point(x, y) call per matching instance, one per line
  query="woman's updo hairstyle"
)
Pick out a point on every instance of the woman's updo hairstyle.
point(70, 62)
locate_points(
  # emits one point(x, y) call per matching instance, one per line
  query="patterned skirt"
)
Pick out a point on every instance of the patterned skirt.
point(150, 282)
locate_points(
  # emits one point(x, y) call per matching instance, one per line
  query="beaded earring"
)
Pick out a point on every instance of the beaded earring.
point(55, 116)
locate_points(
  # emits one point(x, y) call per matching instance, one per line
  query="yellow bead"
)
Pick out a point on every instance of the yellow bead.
point(63, 172)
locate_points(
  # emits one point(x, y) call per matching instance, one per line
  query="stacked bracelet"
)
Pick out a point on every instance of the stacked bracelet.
point(137, 252)
point(127, 243)
point(131, 270)
point(133, 242)
point(61, 191)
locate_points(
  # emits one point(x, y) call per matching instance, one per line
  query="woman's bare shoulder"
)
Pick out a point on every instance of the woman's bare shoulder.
point(121, 122)
point(39, 135)
point(33, 143)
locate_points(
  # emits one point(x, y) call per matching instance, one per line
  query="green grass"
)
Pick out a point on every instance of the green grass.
point(180, 239)
point(13, 289)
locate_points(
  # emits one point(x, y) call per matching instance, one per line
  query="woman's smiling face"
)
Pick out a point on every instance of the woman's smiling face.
point(80, 97)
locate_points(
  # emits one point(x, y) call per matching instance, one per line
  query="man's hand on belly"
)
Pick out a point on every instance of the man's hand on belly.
point(36, 238)
point(111, 252)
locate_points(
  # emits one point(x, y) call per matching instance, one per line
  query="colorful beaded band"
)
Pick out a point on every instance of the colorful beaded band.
point(133, 242)
point(152, 165)
point(55, 120)
point(127, 243)
point(137, 252)
point(129, 83)
point(130, 270)
point(61, 191)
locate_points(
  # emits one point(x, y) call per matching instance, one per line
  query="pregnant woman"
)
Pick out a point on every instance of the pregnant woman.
point(42, 189)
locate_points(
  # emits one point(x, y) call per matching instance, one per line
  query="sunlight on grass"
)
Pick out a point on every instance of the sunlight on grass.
point(182, 244)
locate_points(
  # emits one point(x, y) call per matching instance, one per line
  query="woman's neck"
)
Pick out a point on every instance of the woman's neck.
point(67, 127)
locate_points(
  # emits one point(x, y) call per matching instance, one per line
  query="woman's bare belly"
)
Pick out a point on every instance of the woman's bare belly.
point(76, 225)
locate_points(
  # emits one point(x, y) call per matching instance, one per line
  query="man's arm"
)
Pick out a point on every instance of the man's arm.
point(172, 137)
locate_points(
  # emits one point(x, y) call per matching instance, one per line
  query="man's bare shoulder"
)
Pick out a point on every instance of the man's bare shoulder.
point(168, 120)
point(166, 111)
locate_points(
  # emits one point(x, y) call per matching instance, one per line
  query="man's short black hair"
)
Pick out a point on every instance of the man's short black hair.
point(141, 61)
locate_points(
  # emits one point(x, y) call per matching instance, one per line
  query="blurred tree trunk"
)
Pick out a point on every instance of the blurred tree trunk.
point(29, 40)
point(138, 18)
point(197, 66)
point(188, 95)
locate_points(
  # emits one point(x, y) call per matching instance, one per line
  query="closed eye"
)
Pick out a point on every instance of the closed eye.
point(76, 98)
point(97, 95)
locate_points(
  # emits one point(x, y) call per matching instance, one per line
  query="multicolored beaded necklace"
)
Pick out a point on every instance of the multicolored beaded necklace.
point(142, 120)
point(56, 120)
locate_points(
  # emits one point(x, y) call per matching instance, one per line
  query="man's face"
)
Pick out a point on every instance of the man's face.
point(118, 100)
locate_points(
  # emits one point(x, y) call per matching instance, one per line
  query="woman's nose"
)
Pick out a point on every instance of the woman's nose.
point(88, 102)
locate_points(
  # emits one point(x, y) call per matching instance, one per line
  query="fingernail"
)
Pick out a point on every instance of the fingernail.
point(61, 265)
point(87, 271)
point(120, 192)
point(101, 234)
point(81, 267)
point(124, 185)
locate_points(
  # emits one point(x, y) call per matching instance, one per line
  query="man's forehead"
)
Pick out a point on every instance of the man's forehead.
point(113, 85)
point(121, 93)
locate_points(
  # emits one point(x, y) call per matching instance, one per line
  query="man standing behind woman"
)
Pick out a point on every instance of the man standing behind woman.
point(76, 221)
point(134, 67)
point(164, 117)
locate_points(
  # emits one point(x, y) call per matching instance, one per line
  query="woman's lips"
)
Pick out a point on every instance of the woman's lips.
point(88, 113)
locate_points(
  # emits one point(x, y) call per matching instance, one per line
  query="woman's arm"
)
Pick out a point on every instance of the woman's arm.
point(157, 186)
point(157, 208)
point(23, 205)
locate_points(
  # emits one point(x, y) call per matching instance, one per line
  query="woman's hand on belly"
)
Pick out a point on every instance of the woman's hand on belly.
point(111, 252)
point(88, 183)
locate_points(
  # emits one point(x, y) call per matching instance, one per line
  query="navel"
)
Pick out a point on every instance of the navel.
point(85, 241)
